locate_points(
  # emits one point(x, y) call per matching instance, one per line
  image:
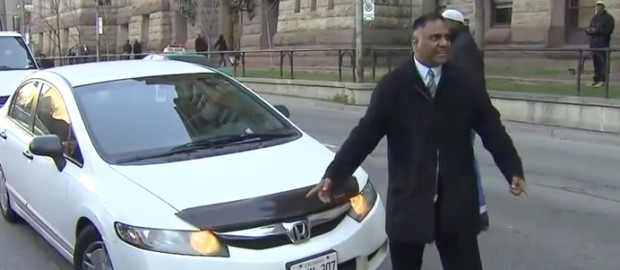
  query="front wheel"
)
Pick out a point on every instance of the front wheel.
point(90, 251)
point(5, 201)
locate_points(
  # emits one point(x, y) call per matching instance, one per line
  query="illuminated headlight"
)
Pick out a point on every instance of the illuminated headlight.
point(363, 202)
point(196, 243)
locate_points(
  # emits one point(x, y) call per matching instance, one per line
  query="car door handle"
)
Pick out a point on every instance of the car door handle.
point(3, 134)
point(27, 154)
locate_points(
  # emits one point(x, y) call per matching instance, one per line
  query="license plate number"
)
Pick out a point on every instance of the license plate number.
point(326, 261)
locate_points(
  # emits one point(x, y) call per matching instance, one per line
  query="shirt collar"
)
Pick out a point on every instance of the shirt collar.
point(423, 70)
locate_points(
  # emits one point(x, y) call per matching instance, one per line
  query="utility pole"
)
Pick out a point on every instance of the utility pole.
point(98, 26)
point(359, 32)
point(22, 11)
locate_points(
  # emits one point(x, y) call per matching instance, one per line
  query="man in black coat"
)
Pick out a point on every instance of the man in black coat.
point(465, 52)
point(600, 29)
point(427, 108)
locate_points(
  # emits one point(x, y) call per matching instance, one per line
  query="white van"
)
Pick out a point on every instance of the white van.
point(16, 62)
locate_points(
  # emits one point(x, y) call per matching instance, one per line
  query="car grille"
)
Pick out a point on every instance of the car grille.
point(280, 240)
point(348, 265)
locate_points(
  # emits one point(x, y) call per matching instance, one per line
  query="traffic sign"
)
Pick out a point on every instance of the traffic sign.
point(369, 10)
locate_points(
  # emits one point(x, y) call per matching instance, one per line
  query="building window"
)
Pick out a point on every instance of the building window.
point(330, 4)
point(579, 14)
point(313, 5)
point(501, 12)
point(297, 6)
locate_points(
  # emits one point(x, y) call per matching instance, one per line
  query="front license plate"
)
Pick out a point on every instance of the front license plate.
point(324, 261)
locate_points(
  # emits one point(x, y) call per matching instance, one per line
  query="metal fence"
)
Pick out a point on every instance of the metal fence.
point(559, 65)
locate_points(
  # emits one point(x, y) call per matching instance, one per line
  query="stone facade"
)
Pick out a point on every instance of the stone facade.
point(331, 23)
point(542, 23)
point(297, 23)
point(154, 23)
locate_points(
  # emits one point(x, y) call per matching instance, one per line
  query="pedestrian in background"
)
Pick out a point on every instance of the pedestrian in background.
point(427, 108)
point(137, 49)
point(465, 52)
point(221, 46)
point(601, 27)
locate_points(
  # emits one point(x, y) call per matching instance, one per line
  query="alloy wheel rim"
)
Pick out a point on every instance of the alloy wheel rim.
point(96, 257)
point(4, 193)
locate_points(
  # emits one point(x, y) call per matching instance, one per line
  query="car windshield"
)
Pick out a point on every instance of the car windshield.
point(138, 119)
point(14, 54)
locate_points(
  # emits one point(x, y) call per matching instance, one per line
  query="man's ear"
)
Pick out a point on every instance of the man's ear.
point(415, 40)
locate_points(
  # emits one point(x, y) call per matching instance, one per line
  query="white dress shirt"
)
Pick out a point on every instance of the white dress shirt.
point(423, 71)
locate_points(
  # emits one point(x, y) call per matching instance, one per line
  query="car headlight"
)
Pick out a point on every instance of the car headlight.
point(362, 203)
point(196, 243)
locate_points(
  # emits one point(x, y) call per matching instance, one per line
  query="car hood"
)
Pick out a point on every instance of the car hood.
point(236, 176)
point(11, 79)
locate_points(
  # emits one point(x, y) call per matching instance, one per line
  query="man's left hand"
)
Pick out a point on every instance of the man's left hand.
point(518, 187)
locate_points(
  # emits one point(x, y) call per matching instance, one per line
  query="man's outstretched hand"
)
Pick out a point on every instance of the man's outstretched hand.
point(518, 187)
point(323, 190)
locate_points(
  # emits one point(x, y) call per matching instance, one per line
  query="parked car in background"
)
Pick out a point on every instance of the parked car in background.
point(16, 62)
point(170, 165)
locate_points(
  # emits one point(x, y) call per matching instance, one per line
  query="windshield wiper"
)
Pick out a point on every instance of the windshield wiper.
point(230, 140)
point(8, 68)
point(211, 143)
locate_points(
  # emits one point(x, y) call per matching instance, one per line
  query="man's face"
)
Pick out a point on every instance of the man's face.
point(599, 8)
point(431, 43)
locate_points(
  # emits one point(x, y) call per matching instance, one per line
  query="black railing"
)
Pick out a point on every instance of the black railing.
point(375, 59)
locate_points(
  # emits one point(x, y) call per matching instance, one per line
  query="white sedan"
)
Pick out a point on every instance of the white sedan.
point(169, 165)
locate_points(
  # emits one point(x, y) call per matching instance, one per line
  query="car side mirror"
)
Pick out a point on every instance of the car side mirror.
point(283, 110)
point(49, 146)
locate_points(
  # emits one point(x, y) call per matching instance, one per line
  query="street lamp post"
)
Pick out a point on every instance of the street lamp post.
point(22, 10)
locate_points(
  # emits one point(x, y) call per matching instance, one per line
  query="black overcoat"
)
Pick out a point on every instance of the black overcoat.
point(421, 133)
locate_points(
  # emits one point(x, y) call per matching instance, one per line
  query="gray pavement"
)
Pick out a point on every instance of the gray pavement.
point(570, 220)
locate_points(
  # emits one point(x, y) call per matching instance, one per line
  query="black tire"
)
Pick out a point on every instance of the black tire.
point(7, 212)
point(88, 237)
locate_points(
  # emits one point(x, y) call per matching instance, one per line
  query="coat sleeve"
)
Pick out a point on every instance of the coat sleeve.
point(365, 136)
point(488, 125)
point(607, 26)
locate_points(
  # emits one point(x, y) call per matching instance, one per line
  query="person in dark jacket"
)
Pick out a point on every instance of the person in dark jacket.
point(465, 52)
point(137, 49)
point(221, 46)
point(427, 108)
point(601, 27)
point(200, 44)
point(127, 50)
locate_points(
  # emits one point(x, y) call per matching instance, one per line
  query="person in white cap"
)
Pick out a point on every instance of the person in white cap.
point(600, 29)
point(465, 52)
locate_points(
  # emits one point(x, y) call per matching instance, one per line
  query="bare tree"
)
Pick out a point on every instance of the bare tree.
point(266, 12)
point(203, 12)
point(208, 18)
point(49, 19)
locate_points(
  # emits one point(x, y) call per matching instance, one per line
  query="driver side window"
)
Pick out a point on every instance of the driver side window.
point(52, 118)
point(23, 104)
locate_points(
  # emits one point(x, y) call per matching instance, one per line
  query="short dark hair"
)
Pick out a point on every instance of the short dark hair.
point(424, 19)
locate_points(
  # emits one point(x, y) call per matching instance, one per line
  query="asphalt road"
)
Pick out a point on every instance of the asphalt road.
point(571, 219)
